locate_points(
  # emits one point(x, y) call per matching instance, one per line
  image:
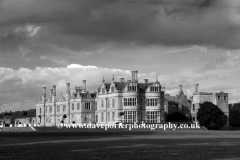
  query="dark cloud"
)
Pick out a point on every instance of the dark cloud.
point(90, 24)
point(207, 3)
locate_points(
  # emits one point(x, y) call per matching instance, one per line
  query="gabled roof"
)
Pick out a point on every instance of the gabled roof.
point(145, 85)
point(49, 99)
point(121, 85)
point(61, 98)
point(107, 85)
point(40, 100)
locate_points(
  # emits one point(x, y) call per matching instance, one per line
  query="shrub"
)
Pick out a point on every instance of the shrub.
point(177, 117)
point(234, 117)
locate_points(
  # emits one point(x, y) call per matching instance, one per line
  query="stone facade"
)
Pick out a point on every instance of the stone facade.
point(130, 101)
point(220, 99)
point(121, 102)
point(78, 107)
point(178, 103)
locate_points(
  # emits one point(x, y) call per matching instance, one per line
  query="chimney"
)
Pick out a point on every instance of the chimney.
point(180, 88)
point(121, 79)
point(54, 90)
point(51, 92)
point(146, 80)
point(44, 91)
point(68, 88)
point(136, 76)
point(163, 89)
point(196, 88)
point(84, 85)
point(133, 76)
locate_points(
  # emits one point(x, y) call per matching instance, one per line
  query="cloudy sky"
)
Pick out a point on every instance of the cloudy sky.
point(46, 42)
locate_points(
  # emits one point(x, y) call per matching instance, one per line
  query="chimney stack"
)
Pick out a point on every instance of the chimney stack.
point(51, 92)
point(68, 88)
point(146, 80)
point(134, 76)
point(44, 91)
point(163, 89)
point(84, 85)
point(196, 88)
point(121, 79)
point(180, 88)
point(54, 90)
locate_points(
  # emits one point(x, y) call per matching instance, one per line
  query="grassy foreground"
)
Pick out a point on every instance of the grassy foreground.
point(120, 144)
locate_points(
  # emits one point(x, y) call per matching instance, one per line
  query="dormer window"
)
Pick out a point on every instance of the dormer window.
point(103, 90)
point(132, 88)
point(112, 89)
point(154, 89)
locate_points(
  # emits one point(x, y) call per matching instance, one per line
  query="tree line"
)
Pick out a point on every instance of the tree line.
point(23, 113)
point(210, 116)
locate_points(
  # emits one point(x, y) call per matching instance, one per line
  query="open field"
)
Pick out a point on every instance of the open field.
point(120, 144)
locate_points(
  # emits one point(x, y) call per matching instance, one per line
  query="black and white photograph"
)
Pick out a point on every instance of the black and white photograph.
point(120, 79)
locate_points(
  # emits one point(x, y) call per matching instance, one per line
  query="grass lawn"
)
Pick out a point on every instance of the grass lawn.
point(120, 144)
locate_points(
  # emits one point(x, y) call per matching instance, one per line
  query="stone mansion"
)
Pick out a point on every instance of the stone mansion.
point(118, 101)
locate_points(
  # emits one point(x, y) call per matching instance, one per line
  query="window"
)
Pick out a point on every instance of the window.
point(218, 97)
point(87, 106)
point(64, 108)
point(108, 116)
point(50, 109)
point(78, 106)
point(108, 103)
point(151, 101)
point(193, 118)
point(112, 89)
point(96, 118)
point(193, 107)
point(102, 117)
point(40, 110)
point(102, 103)
point(154, 89)
point(113, 103)
point(130, 116)
point(152, 116)
point(130, 101)
point(58, 108)
point(72, 106)
point(103, 90)
point(225, 97)
point(132, 88)
point(46, 110)
point(113, 116)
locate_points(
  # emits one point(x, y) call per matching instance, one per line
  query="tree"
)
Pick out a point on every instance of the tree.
point(25, 113)
point(210, 116)
point(234, 116)
point(176, 117)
